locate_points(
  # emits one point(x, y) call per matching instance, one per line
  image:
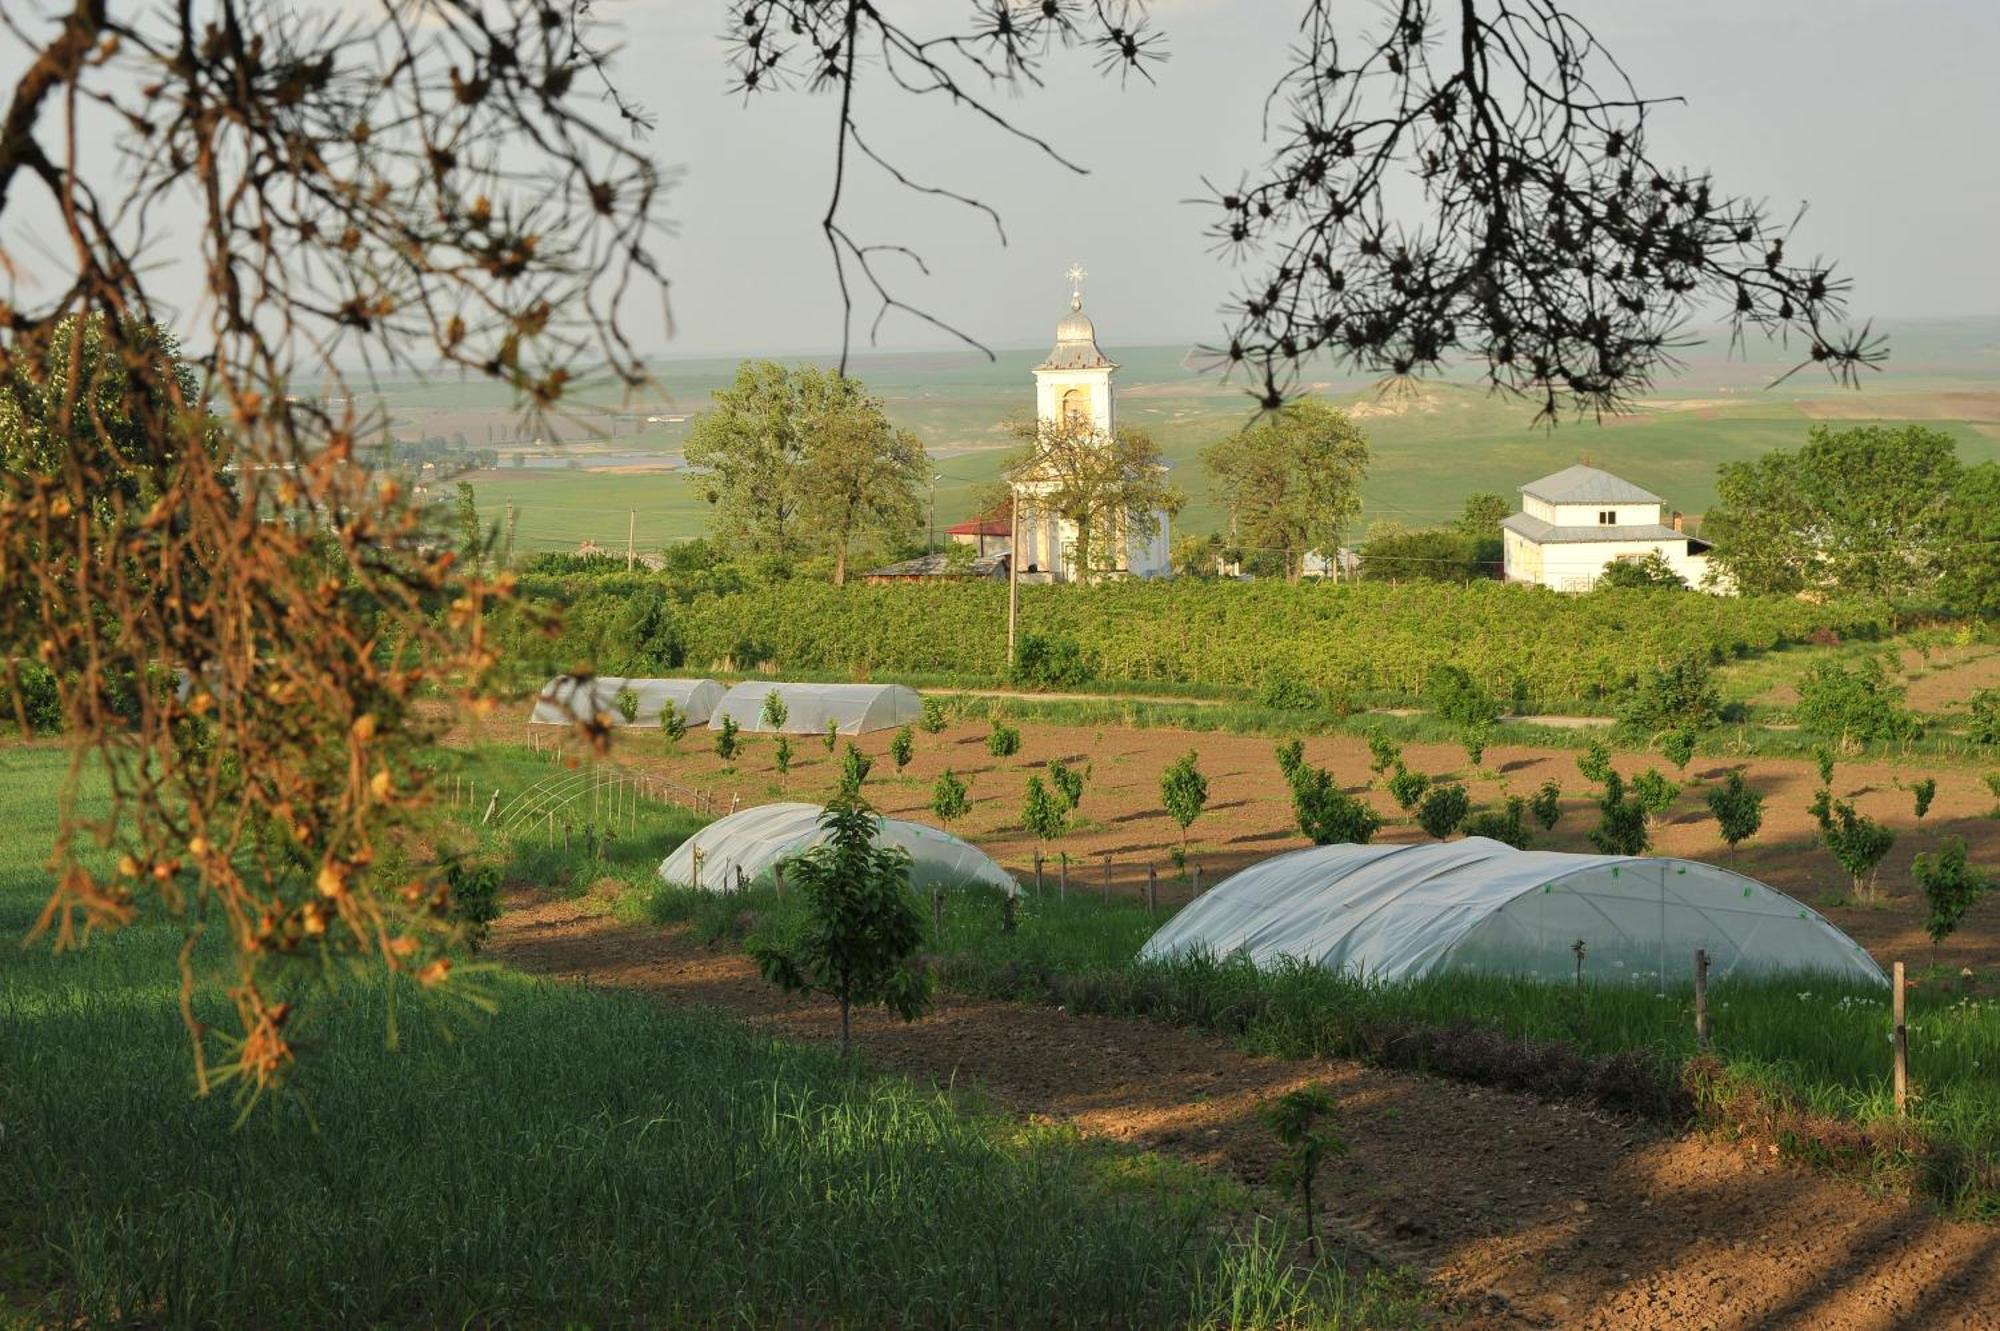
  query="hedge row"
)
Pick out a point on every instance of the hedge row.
point(1537, 647)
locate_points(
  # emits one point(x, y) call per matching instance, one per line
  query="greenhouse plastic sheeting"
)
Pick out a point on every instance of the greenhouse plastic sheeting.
point(565, 700)
point(1397, 912)
point(854, 708)
point(749, 842)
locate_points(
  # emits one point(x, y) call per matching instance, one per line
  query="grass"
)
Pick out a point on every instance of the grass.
point(579, 1156)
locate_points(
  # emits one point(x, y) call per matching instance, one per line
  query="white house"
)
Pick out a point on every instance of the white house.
point(1074, 385)
point(1580, 519)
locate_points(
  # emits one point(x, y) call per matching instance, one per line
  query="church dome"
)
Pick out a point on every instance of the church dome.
point(1076, 343)
point(1076, 326)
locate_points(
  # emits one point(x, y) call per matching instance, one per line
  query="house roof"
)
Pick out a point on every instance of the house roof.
point(940, 566)
point(1548, 533)
point(1588, 485)
point(992, 524)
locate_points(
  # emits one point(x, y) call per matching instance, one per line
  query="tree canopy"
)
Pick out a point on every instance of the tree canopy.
point(1291, 482)
point(1110, 486)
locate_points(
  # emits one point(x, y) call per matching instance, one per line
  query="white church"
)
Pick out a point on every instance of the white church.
point(1074, 386)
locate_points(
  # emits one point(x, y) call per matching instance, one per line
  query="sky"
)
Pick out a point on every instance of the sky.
point(1881, 114)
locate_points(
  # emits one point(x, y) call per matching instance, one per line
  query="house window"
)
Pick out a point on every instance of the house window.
point(1607, 517)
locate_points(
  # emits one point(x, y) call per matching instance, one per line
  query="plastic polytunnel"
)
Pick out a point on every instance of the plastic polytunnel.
point(854, 709)
point(741, 850)
point(566, 700)
point(1399, 912)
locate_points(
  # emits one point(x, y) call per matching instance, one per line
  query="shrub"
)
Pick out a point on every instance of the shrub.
point(626, 700)
point(775, 712)
point(1003, 741)
point(475, 898)
point(1452, 695)
point(1679, 696)
point(1285, 689)
point(1823, 764)
point(1407, 788)
point(1654, 792)
point(1184, 792)
point(933, 717)
point(1949, 885)
point(1291, 758)
point(781, 755)
point(34, 698)
point(1383, 753)
point(1297, 1118)
point(1474, 739)
point(1327, 814)
point(1595, 762)
point(901, 747)
point(725, 739)
point(832, 736)
point(1922, 793)
point(1547, 805)
point(672, 724)
point(1506, 825)
point(854, 768)
point(1985, 708)
point(1678, 748)
point(1738, 810)
point(1648, 573)
point(1847, 706)
point(1856, 840)
point(950, 800)
point(1052, 661)
point(1443, 810)
point(1621, 824)
point(1043, 813)
point(1068, 782)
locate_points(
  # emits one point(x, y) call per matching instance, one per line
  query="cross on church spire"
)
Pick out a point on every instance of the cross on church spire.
point(1076, 274)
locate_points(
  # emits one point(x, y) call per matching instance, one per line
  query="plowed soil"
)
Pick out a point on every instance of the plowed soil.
point(1523, 1213)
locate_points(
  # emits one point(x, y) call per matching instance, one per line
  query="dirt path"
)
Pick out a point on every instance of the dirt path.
point(1532, 1214)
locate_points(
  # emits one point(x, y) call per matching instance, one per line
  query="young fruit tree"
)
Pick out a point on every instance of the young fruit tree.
point(1922, 793)
point(901, 747)
point(1678, 747)
point(781, 756)
point(1327, 814)
point(1621, 823)
point(626, 700)
point(1856, 840)
point(950, 800)
point(933, 717)
point(1184, 793)
point(1043, 813)
point(1950, 885)
point(1003, 741)
point(1383, 753)
point(858, 942)
point(672, 723)
point(1823, 761)
point(1595, 762)
point(1547, 805)
point(854, 768)
point(1407, 788)
point(832, 737)
point(1507, 826)
point(1656, 794)
point(725, 739)
point(1474, 739)
point(1300, 1120)
point(1068, 783)
point(1738, 810)
point(1292, 758)
point(1443, 810)
point(775, 712)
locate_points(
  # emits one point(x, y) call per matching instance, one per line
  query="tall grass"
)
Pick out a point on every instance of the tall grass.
point(580, 1156)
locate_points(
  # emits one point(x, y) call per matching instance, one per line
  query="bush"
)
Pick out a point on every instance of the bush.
point(1547, 805)
point(1654, 792)
point(626, 700)
point(901, 747)
point(1453, 696)
point(950, 800)
point(1950, 886)
point(854, 768)
point(1068, 782)
point(1856, 840)
point(1327, 814)
point(1621, 823)
point(475, 898)
point(1003, 741)
point(1738, 810)
point(1985, 727)
point(933, 718)
point(1291, 759)
point(1595, 762)
point(1284, 688)
point(725, 739)
point(1052, 661)
point(1443, 810)
point(1503, 825)
point(1383, 753)
point(37, 698)
point(1184, 791)
point(1847, 706)
point(1407, 788)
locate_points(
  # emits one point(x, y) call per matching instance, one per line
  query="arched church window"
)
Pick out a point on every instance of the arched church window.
point(1076, 406)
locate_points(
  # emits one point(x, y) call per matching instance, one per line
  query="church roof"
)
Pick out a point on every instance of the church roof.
point(1076, 343)
point(1588, 485)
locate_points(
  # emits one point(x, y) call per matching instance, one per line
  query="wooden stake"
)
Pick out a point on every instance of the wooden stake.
point(1062, 876)
point(1197, 880)
point(1038, 872)
point(1152, 889)
point(1902, 1045)
point(937, 915)
point(778, 879)
point(1701, 997)
point(1106, 893)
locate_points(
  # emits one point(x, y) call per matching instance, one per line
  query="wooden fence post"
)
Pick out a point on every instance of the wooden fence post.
point(1152, 889)
point(1106, 892)
point(1701, 998)
point(552, 829)
point(1062, 876)
point(695, 857)
point(937, 915)
point(1038, 871)
point(1197, 880)
point(1902, 1046)
point(778, 878)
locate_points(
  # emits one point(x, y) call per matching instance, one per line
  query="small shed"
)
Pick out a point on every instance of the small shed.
point(853, 709)
point(1406, 912)
point(568, 699)
point(742, 849)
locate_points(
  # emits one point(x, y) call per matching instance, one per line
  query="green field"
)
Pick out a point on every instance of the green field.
point(1432, 448)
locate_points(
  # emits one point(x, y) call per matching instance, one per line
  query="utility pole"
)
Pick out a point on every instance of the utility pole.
point(1013, 572)
point(507, 550)
point(631, 526)
point(930, 546)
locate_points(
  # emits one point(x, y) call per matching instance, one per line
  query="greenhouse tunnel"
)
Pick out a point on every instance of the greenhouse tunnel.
point(742, 849)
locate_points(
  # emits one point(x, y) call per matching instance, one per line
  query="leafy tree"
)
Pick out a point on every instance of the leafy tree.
point(1860, 511)
point(626, 700)
point(1507, 826)
point(1922, 793)
point(1111, 488)
point(1407, 788)
point(1681, 695)
point(673, 724)
point(859, 480)
point(1286, 690)
point(1051, 661)
point(1547, 805)
point(1678, 747)
point(775, 712)
point(1184, 791)
point(1444, 809)
point(1950, 886)
point(1621, 823)
point(1291, 759)
point(1984, 707)
point(1970, 584)
point(781, 756)
point(854, 768)
point(862, 928)
point(1383, 753)
point(1396, 553)
point(1648, 573)
point(933, 716)
point(1856, 840)
point(1845, 706)
point(725, 739)
point(1738, 810)
point(1068, 782)
point(1299, 1119)
point(1654, 792)
point(832, 736)
point(1003, 741)
point(1474, 739)
point(1291, 481)
point(901, 747)
point(1823, 764)
point(1595, 762)
point(1454, 696)
point(466, 530)
point(1327, 814)
point(950, 799)
point(1480, 523)
point(1043, 812)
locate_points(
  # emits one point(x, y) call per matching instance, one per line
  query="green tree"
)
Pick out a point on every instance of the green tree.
point(1507, 825)
point(933, 717)
point(1950, 885)
point(859, 480)
point(1845, 706)
point(1823, 764)
point(1327, 814)
point(950, 799)
point(1547, 805)
point(1444, 809)
point(1681, 695)
point(1453, 696)
point(1655, 793)
point(1291, 481)
point(1474, 739)
point(1383, 752)
point(1003, 740)
point(1396, 553)
point(781, 757)
point(1595, 762)
point(901, 747)
point(1480, 523)
point(1856, 840)
point(1678, 748)
point(1299, 1119)
point(626, 700)
point(862, 927)
point(854, 768)
point(1291, 759)
point(1984, 709)
point(832, 736)
point(673, 724)
point(1647, 573)
point(1861, 511)
point(1922, 793)
point(1971, 581)
point(1068, 782)
point(725, 739)
point(1184, 792)
point(466, 531)
point(1407, 788)
point(775, 713)
point(1110, 488)
point(1621, 820)
point(1043, 812)
point(1738, 810)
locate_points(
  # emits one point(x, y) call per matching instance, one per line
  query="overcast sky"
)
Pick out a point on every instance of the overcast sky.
point(1884, 115)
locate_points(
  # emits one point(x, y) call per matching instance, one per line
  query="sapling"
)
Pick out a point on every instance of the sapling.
point(672, 724)
point(1300, 1119)
point(1950, 885)
point(781, 756)
point(1547, 805)
point(1738, 810)
point(1856, 840)
point(626, 700)
point(1823, 760)
point(1655, 793)
point(862, 928)
point(1292, 757)
point(1474, 739)
point(1384, 753)
point(1184, 794)
point(901, 747)
point(854, 768)
point(725, 739)
point(1922, 793)
point(1444, 809)
point(1003, 741)
point(1329, 815)
point(933, 716)
point(1678, 748)
point(1407, 788)
point(1621, 824)
point(775, 712)
point(950, 799)
point(1042, 812)
point(832, 736)
point(1595, 762)
point(1507, 826)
